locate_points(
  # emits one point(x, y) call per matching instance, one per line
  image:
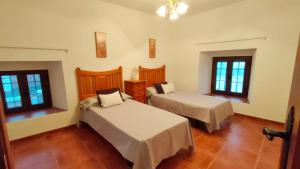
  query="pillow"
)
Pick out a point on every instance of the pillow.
point(158, 87)
point(150, 91)
point(108, 91)
point(168, 88)
point(108, 100)
point(89, 102)
point(126, 96)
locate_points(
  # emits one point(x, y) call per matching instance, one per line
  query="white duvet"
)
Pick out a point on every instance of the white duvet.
point(143, 134)
point(210, 110)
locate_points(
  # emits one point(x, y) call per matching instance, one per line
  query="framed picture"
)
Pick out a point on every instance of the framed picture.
point(152, 48)
point(101, 44)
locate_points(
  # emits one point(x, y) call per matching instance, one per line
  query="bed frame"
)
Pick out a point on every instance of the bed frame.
point(89, 82)
point(156, 75)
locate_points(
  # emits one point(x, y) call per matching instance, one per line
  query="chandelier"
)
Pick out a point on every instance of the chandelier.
point(173, 9)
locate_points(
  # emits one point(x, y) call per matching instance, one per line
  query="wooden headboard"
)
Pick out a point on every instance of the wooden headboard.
point(157, 75)
point(89, 82)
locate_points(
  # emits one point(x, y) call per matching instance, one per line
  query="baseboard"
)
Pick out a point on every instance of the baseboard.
point(41, 134)
point(261, 119)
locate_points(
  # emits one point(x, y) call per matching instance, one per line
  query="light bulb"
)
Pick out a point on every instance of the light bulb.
point(162, 11)
point(182, 8)
point(174, 15)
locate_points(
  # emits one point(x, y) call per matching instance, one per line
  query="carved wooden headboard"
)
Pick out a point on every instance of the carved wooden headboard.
point(89, 81)
point(152, 76)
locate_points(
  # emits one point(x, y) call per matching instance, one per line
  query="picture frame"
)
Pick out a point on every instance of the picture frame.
point(152, 48)
point(101, 50)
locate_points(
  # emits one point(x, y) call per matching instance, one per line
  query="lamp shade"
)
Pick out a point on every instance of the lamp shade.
point(182, 8)
point(162, 11)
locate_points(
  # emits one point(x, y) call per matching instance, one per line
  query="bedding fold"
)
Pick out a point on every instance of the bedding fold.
point(210, 110)
point(143, 134)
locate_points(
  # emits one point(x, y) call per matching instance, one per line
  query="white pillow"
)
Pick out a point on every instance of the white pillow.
point(150, 91)
point(108, 100)
point(168, 88)
point(89, 102)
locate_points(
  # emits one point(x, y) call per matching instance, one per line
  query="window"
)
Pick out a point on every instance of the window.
point(12, 91)
point(35, 89)
point(25, 90)
point(231, 75)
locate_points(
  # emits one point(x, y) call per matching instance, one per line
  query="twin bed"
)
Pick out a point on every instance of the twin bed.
point(214, 112)
point(143, 134)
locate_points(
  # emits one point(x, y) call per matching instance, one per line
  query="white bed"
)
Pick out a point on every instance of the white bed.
point(143, 134)
point(210, 110)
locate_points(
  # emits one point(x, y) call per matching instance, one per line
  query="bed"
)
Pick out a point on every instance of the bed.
point(213, 111)
point(144, 135)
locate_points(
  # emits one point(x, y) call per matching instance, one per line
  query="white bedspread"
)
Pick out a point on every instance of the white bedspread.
point(210, 110)
point(143, 134)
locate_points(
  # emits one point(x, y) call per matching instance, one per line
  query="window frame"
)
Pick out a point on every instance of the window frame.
point(24, 90)
point(230, 60)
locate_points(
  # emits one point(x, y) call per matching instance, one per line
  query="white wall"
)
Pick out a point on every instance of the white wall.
point(71, 24)
point(274, 58)
point(204, 72)
point(57, 84)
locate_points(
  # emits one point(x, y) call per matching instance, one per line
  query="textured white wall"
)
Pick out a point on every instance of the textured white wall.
point(71, 24)
point(274, 58)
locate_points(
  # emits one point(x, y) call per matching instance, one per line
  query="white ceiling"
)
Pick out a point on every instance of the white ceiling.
point(150, 6)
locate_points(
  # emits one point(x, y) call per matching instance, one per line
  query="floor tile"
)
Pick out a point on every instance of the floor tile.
point(240, 145)
point(209, 144)
point(200, 158)
point(234, 157)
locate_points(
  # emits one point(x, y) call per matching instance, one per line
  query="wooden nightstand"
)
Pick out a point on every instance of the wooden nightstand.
point(136, 89)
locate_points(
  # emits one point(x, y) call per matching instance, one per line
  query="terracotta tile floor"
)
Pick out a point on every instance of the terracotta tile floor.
point(239, 145)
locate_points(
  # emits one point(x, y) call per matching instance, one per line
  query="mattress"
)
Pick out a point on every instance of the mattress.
point(143, 134)
point(210, 110)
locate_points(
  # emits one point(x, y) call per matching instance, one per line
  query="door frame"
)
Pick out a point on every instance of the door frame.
point(294, 151)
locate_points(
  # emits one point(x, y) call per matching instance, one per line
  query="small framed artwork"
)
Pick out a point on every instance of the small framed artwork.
point(101, 44)
point(152, 48)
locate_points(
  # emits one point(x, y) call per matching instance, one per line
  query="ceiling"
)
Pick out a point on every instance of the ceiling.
point(150, 6)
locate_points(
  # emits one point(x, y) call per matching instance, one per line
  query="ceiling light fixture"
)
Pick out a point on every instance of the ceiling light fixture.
point(173, 9)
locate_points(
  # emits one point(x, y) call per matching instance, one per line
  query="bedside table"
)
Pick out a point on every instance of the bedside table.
point(136, 89)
